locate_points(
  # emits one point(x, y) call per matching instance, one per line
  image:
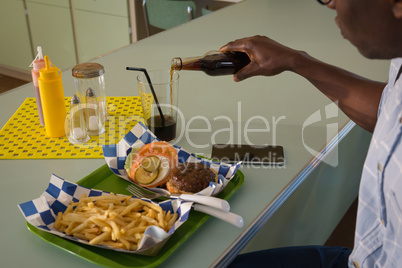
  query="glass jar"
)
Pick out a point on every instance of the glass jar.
point(91, 76)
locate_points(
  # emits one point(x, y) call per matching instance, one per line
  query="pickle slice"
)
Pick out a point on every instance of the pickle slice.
point(144, 177)
point(151, 163)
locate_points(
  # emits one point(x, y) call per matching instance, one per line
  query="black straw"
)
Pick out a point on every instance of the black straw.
point(152, 90)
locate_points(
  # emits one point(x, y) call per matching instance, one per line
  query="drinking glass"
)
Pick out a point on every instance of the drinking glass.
point(159, 100)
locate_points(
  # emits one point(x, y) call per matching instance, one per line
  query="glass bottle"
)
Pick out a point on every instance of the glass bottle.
point(213, 63)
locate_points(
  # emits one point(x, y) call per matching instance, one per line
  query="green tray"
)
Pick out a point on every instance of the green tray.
point(104, 179)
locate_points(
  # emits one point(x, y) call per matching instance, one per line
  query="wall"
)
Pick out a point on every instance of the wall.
point(69, 31)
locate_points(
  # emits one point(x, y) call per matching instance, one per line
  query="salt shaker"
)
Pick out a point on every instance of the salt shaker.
point(91, 75)
point(78, 130)
point(93, 115)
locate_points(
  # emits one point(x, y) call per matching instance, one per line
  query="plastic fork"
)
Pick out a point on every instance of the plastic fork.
point(200, 199)
point(219, 213)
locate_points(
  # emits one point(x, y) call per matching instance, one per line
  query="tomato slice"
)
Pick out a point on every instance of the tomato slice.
point(159, 148)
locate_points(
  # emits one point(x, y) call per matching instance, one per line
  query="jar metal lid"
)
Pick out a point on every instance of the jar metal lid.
point(88, 70)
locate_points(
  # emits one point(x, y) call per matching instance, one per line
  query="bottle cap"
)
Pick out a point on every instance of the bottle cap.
point(49, 72)
point(38, 63)
point(88, 70)
point(40, 54)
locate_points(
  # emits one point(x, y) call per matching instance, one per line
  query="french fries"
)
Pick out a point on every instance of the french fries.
point(112, 220)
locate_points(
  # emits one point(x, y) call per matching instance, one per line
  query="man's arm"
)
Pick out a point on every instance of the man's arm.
point(356, 96)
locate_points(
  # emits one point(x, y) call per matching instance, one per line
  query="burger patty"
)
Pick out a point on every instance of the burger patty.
point(192, 177)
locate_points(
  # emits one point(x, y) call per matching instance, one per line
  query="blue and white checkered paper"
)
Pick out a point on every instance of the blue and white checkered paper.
point(139, 135)
point(42, 213)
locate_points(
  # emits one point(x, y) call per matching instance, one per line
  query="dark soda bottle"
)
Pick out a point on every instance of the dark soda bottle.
point(213, 63)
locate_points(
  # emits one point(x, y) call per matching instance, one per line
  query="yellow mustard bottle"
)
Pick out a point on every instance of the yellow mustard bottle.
point(52, 98)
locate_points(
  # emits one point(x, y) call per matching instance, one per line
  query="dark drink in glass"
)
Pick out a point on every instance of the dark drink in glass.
point(159, 100)
point(165, 131)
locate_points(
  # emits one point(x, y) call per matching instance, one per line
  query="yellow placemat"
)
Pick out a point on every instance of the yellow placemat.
point(23, 137)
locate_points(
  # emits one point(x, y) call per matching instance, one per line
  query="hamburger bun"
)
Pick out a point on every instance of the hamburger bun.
point(137, 170)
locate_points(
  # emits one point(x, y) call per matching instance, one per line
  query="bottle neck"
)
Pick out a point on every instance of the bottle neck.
point(213, 63)
point(176, 64)
point(190, 63)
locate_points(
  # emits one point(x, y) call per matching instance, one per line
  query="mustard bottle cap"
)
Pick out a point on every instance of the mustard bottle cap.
point(49, 72)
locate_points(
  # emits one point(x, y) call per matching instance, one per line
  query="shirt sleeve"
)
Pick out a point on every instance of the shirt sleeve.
point(383, 99)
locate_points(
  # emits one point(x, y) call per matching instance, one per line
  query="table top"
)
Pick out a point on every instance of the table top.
point(276, 110)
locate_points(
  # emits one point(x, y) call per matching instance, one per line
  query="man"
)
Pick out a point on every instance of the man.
point(375, 28)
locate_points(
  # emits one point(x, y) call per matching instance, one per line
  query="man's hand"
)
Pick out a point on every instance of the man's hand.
point(356, 96)
point(267, 57)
